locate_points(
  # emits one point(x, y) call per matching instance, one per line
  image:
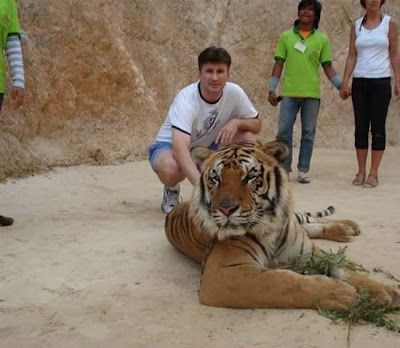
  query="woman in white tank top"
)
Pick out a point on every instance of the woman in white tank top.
point(372, 52)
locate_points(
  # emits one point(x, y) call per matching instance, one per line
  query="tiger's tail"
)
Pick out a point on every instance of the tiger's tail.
point(312, 217)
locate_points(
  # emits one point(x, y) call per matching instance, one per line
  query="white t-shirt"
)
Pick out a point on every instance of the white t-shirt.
point(192, 115)
point(372, 47)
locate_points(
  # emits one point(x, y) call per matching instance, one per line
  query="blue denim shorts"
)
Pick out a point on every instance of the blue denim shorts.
point(159, 146)
point(155, 150)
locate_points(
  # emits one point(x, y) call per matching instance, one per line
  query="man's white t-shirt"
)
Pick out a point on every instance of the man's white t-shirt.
point(191, 114)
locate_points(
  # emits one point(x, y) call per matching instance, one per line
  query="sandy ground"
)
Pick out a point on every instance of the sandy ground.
point(87, 264)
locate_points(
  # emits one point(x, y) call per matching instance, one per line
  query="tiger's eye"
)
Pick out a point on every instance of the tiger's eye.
point(213, 176)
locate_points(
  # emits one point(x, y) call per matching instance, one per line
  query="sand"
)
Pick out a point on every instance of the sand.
point(86, 263)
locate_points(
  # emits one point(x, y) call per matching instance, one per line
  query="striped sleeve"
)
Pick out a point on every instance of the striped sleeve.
point(15, 60)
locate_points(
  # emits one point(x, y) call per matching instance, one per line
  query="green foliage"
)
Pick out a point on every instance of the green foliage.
point(312, 264)
point(364, 311)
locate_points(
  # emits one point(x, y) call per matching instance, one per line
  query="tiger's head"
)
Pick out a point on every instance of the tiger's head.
point(242, 189)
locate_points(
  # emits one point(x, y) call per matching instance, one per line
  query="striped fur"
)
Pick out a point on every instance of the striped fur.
point(240, 224)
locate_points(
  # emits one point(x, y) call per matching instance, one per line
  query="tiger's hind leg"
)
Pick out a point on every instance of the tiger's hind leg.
point(184, 236)
point(336, 230)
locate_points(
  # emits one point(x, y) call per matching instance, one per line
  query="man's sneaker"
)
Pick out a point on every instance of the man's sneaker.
point(170, 198)
point(6, 221)
point(303, 178)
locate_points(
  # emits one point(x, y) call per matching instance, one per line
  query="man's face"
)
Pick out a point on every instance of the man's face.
point(307, 15)
point(373, 4)
point(213, 77)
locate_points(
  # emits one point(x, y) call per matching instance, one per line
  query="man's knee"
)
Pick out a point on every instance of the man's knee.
point(168, 169)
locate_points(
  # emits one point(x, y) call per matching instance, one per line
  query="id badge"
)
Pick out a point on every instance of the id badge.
point(300, 46)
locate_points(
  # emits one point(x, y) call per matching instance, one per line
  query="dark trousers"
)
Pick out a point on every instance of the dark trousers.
point(371, 98)
point(1, 99)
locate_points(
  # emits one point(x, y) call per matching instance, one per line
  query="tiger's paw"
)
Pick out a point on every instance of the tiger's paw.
point(385, 295)
point(340, 232)
point(340, 296)
point(356, 231)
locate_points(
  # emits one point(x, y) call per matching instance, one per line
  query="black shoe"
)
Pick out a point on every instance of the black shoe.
point(6, 221)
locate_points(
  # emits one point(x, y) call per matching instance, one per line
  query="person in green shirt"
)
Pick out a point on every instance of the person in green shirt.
point(11, 46)
point(301, 50)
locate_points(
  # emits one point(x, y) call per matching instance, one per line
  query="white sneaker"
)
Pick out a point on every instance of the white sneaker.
point(303, 178)
point(170, 198)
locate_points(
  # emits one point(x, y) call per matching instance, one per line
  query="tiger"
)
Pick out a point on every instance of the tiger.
point(240, 224)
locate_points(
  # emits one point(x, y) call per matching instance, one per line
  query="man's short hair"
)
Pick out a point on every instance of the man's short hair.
point(362, 2)
point(317, 9)
point(214, 54)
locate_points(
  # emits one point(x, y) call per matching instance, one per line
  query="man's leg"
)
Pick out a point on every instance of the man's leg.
point(169, 173)
point(287, 118)
point(309, 116)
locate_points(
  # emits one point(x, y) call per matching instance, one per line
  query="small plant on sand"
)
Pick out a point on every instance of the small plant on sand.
point(365, 310)
point(313, 264)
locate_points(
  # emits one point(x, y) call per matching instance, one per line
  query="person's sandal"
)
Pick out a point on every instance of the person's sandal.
point(371, 181)
point(359, 179)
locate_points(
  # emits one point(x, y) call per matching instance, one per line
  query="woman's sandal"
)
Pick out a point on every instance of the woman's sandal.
point(359, 179)
point(371, 181)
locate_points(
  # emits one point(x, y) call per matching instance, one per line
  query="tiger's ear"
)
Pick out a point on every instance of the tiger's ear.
point(276, 148)
point(199, 154)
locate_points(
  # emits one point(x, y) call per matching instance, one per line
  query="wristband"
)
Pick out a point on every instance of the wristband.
point(273, 83)
point(15, 60)
point(336, 81)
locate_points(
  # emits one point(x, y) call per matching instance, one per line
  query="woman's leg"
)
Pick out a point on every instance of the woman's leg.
point(381, 93)
point(361, 121)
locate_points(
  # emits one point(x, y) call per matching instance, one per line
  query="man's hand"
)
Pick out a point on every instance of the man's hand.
point(226, 134)
point(397, 90)
point(272, 98)
point(17, 94)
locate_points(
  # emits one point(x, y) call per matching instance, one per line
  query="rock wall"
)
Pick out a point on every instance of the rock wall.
point(101, 74)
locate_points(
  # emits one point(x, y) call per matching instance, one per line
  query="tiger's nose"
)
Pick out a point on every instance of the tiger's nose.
point(227, 206)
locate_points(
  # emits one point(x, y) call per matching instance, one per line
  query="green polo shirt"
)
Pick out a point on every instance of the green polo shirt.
point(301, 76)
point(9, 25)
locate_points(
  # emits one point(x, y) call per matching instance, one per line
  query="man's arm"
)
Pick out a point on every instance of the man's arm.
point(275, 76)
point(329, 71)
point(332, 75)
point(227, 133)
point(181, 153)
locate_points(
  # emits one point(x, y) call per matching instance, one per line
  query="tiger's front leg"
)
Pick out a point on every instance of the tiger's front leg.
point(233, 278)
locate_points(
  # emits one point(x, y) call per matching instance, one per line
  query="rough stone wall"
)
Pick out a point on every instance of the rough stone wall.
point(101, 74)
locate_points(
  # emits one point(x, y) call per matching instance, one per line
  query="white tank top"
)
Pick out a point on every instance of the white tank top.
point(372, 50)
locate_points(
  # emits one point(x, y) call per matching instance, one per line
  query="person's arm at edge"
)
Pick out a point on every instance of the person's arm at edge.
point(394, 56)
point(276, 73)
point(350, 64)
point(181, 153)
point(13, 52)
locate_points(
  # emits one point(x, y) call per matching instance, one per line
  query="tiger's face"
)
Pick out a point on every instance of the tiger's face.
point(242, 189)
